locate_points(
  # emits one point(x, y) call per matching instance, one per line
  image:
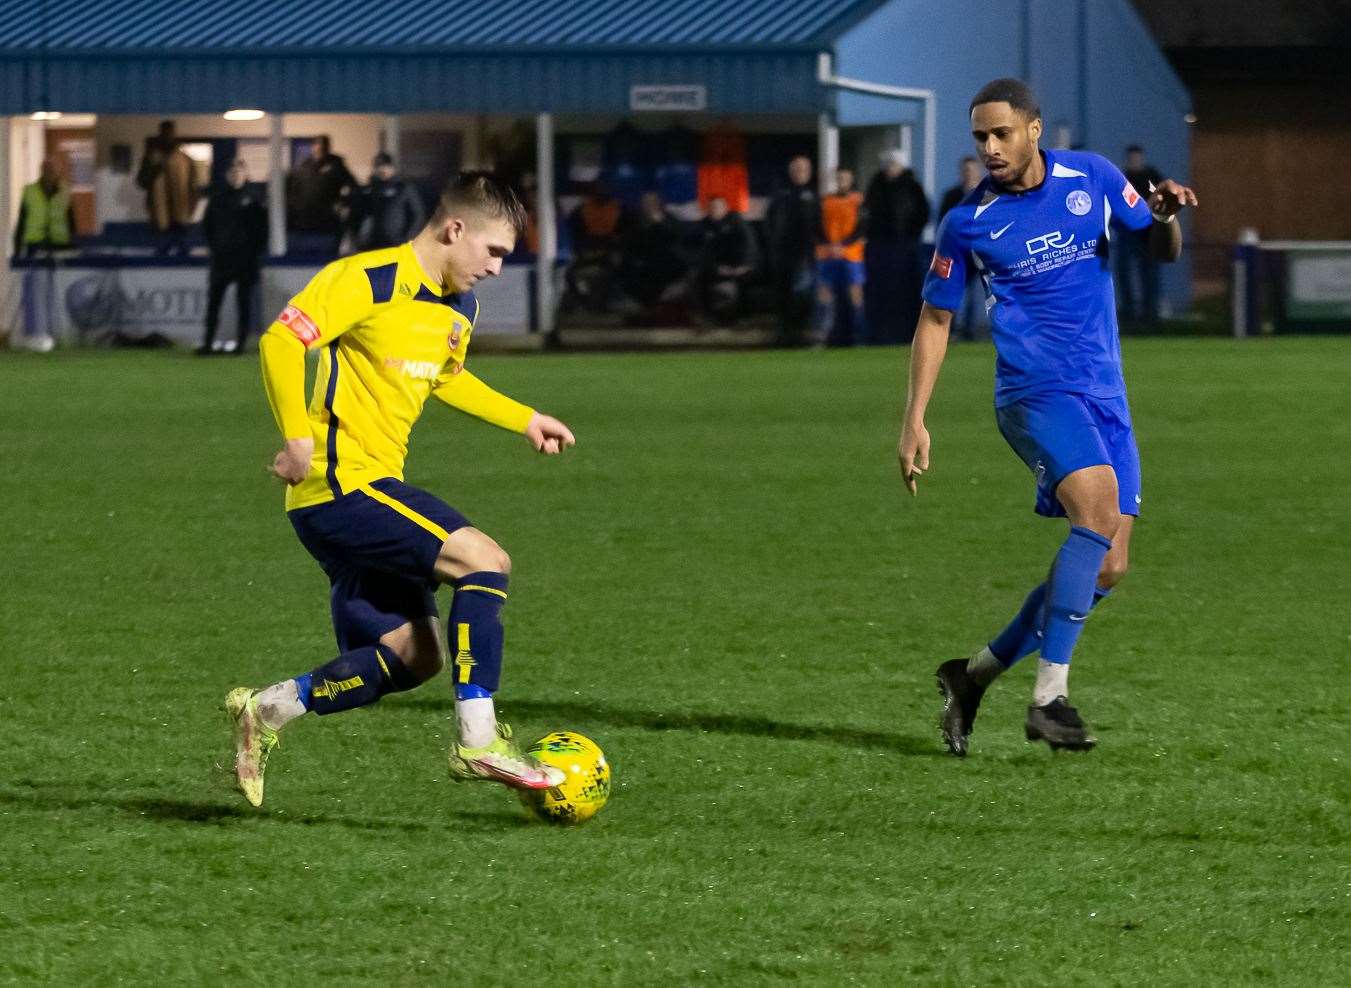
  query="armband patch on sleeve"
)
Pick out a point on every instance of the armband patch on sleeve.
point(941, 266)
point(300, 324)
point(1130, 195)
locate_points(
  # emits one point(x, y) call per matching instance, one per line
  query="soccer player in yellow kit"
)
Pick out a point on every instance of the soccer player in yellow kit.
point(391, 328)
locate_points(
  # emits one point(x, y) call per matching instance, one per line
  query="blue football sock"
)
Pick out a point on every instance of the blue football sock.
point(1022, 637)
point(354, 679)
point(1023, 634)
point(475, 630)
point(1069, 591)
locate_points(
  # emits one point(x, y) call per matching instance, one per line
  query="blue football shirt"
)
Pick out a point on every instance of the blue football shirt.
point(1042, 255)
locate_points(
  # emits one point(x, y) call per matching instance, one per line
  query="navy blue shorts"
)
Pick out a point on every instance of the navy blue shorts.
point(1056, 433)
point(378, 545)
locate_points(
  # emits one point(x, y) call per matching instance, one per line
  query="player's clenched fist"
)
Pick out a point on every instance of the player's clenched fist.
point(292, 462)
point(548, 435)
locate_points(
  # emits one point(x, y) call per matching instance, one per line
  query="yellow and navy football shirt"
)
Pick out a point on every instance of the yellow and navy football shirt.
point(386, 341)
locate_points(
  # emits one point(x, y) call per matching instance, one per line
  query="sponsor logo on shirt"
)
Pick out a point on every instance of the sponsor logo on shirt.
point(300, 324)
point(1049, 241)
point(941, 266)
point(1078, 202)
point(422, 370)
point(1130, 195)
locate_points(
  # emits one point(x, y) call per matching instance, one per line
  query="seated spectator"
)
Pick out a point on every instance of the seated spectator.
point(595, 228)
point(728, 259)
point(654, 264)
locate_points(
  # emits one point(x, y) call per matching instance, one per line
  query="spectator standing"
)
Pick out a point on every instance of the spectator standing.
point(839, 262)
point(970, 322)
point(1135, 268)
point(388, 210)
point(318, 194)
point(728, 259)
point(897, 211)
point(170, 191)
point(236, 235)
point(45, 224)
point(791, 227)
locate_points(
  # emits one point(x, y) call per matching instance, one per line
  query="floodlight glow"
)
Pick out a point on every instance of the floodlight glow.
point(45, 115)
point(244, 114)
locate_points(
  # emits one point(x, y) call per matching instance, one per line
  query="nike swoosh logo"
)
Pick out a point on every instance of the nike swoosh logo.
point(1078, 617)
point(996, 234)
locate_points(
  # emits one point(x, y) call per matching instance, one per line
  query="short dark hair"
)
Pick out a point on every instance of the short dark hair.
point(1134, 149)
point(484, 193)
point(1014, 92)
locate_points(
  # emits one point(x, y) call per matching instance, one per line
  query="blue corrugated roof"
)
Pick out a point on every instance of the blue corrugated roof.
point(168, 26)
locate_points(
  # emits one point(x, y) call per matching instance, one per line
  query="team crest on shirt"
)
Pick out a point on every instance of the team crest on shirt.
point(454, 340)
point(1078, 202)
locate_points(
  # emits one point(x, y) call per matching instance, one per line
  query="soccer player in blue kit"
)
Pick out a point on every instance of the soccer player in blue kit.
point(1038, 232)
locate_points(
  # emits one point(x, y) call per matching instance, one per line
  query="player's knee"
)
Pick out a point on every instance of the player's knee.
point(1113, 572)
point(496, 560)
point(1104, 519)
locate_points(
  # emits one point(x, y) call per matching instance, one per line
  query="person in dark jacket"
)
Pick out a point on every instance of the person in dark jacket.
point(387, 211)
point(1137, 273)
point(235, 227)
point(728, 259)
point(897, 210)
point(791, 227)
point(318, 193)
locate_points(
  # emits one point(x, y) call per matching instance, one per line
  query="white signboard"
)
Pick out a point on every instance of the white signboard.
point(92, 304)
point(1319, 285)
point(668, 98)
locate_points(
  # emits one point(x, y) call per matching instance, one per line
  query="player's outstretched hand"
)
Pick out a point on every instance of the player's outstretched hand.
point(1169, 198)
point(913, 452)
point(292, 462)
point(548, 435)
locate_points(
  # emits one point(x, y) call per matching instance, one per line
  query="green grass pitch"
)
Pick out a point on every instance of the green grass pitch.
point(725, 586)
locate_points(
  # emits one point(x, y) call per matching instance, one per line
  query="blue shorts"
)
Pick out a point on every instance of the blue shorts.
point(1056, 433)
point(378, 546)
point(837, 272)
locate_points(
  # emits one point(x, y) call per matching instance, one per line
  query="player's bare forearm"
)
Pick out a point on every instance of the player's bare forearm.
point(1165, 202)
point(926, 358)
point(1165, 241)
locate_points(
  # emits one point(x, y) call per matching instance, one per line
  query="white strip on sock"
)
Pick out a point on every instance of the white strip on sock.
point(983, 667)
point(477, 721)
point(279, 704)
point(1053, 680)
